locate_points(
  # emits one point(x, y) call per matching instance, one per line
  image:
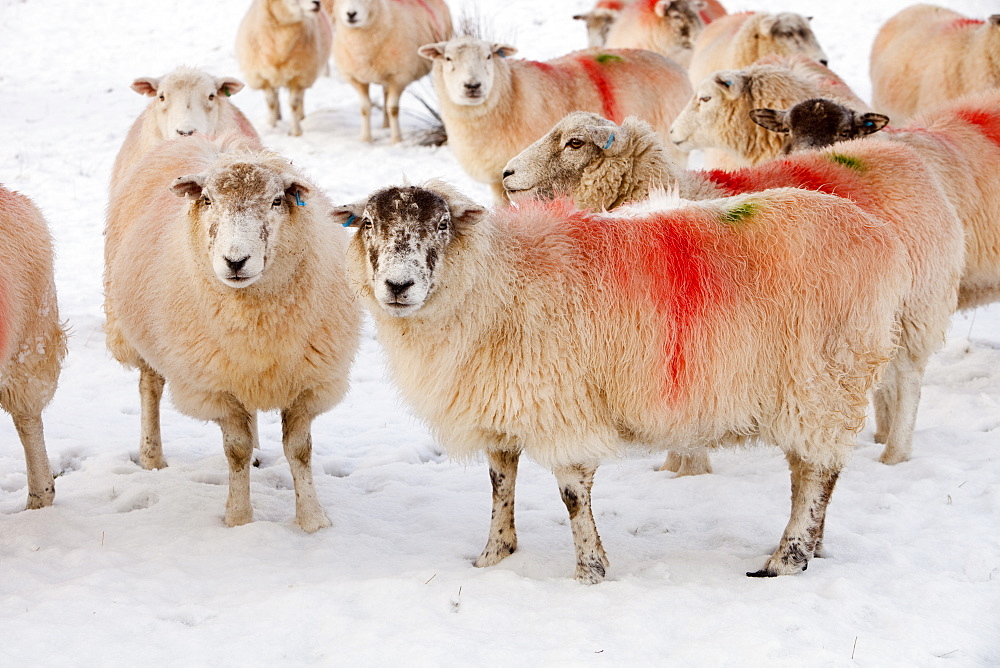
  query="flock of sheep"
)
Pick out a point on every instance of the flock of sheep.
point(610, 297)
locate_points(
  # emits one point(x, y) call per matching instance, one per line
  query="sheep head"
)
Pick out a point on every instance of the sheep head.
point(598, 22)
point(406, 232)
point(239, 210)
point(466, 66)
point(187, 100)
point(356, 14)
point(683, 19)
point(817, 123)
point(711, 110)
point(787, 33)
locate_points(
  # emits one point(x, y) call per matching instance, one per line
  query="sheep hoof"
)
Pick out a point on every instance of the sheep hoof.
point(591, 573)
point(682, 465)
point(880, 437)
point(491, 556)
point(314, 522)
point(152, 463)
point(893, 456)
point(782, 564)
point(41, 499)
point(238, 518)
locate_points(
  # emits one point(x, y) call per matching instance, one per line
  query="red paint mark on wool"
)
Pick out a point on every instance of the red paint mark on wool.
point(734, 182)
point(605, 90)
point(615, 5)
point(438, 28)
point(966, 23)
point(987, 122)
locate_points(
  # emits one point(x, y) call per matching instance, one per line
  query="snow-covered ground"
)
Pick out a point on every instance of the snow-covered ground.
point(131, 567)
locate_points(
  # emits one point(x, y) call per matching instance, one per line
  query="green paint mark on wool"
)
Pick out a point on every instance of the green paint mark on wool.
point(605, 58)
point(848, 161)
point(741, 213)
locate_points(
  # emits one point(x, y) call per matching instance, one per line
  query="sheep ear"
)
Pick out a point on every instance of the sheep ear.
point(349, 215)
point(869, 123)
point(581, 17)
point(146, 86)
point(772, 119)
point(297, 190)
point(995, 20)
point(433, 51)
point(189, 186)
point(661, 7)
point(608, 138)
point(504, 50)
point(731, 82)
point(465, 212)
point(228, 86)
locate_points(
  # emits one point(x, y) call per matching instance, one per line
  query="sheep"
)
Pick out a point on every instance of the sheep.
point(377, 42)
point(817, 123)
point(284, 44)
point(926, 55)
point(185, 100)
point(493, 107)
point(235, 295)
point(585, 158)
point(32, 338)
point(717, 116)
point(668, 27)
point(571, 334)
point(600, 19)
point(735, 41)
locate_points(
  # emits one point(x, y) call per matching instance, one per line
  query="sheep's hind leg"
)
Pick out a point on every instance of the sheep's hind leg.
point(575, 483)
point(696, 463)
point(237, 440)
point(150, 393)
point(906, 376)
point(41, 486)
point(297, 101)
point(885, 403)
point(366, 109)
point(297, 441)
point(503, 537)
point(392, 95)
point(273, 106)
point(803, 537)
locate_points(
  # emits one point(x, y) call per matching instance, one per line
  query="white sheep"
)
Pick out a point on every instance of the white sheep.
point(376, 43)
point(735, 41)
point(669, 27)
point(926, 55)
point(236, 296)
point(493, 106)
point(32, 340)
point(817, 123)
point(600, 19)
point(717, 116)
point(185, 100)
point(284, 44)
point(600, 165)
point(570, 334)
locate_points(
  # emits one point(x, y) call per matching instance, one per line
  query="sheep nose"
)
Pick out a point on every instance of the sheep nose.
point(473, 87)
point(508, 172)
point(185, 133)
point(398, 288)
point(824, 63)
point(351, 16)
point(236, 265)
point(315, 7)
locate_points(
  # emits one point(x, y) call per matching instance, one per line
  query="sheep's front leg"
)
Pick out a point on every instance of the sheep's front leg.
point(385, 106)
point(803, 537)
point(297, 101)
point(366, 109)
point(150, 394)
point(41, 486)
point(575, 483)
point(696, 463)
point(885, 403)
point(905, 376)
point(392, 95)
point(273, 106)
point(297, 442)
point(237, 440)
point(503, 537)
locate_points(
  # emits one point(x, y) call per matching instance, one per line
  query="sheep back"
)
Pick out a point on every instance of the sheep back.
point(274, 54)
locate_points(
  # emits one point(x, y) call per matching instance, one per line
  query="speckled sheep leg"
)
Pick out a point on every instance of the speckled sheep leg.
point(803, 537)
point(41, 486)
point(297, 443)
point(297, 101)
point(366, 109)
point(273, 106)
point(237, 440)
point(503, 536)
point(575, 483)
point(150, 394)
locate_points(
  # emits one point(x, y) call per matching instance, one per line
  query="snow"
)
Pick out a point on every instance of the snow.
point(133, 567)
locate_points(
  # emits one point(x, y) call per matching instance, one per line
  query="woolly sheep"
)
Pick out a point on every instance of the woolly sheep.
point(599, 164)
point(493, 107)
point(572, 334)
point(284, 44)
point(602, 17)
point(185, 101)
point(717, 116)
point(376, 43)
point(32, 340)
point(926, 55)
point(668, 27)
point(735, 41)
point(817, 123)
point(236, 296)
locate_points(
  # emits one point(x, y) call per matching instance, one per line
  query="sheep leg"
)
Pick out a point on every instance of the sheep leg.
point(366, 109)
point(803, 538)
point(150, 393)
point(237, 441)
point(273, 106)
point(906, 376)
point(503, 536)
point(297, 442)
point(41, 486)
point(575, 483)
point(392, 95)
point(297, 101)
point(695, 463)
point(385, 107)
point(885, 401)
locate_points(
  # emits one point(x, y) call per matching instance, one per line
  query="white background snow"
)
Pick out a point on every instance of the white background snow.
point(133, 567)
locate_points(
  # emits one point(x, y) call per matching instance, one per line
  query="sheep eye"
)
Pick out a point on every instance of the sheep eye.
point(277, 201)
point(206, 201)
point(162, 98)
point(211, 97)
point(705, 98)
point(443, 226)
point(574, 143)
point(366, 223)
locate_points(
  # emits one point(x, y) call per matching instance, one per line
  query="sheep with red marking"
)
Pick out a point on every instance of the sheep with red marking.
point(493, 106)
point(926, 55)
point(32, 340)
point(571, 334)
point(284, 44)
point(669, 27)
point(600, 19)
point(224, 278)
point(594, 161)
point(185, 100)
point(376, 43)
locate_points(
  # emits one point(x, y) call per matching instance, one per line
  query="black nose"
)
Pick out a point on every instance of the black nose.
point(236, 265)
point(473, 87)
point(508, 172)
point(185, 133)
point(398, 288)
point(315, 5)
point(351, 16)
point(824, 63)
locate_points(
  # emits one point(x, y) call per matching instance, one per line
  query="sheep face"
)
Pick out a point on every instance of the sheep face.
point(817, 123)
point(683, 20)
point(467, 66)
point(240, 210)
point(714, 106)
point(292, 11)
point(356, 13)
point(556, 163)
point(790, 33)
point(187, 101)
point(406, 232)
point(598, 22)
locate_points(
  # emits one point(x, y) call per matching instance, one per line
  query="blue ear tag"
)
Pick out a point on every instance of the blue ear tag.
point(298, 199)
point(611, 140)
point(350, 220)
point(501, 53)
point(868, 124)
